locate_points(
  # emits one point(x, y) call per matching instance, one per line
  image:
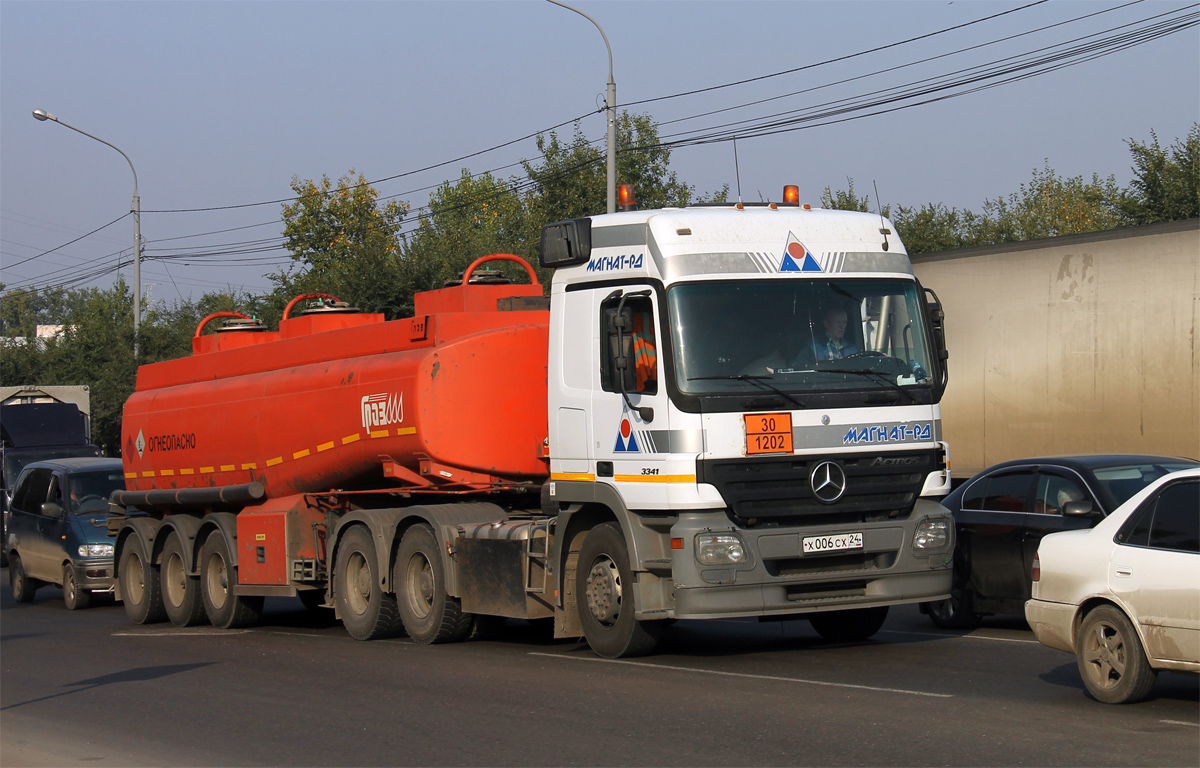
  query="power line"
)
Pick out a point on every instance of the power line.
point(76, 240)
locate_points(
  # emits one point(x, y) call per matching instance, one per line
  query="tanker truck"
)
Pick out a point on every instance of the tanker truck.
point(719, 411)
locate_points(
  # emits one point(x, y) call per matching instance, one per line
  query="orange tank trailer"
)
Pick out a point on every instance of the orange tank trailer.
point(453, 399)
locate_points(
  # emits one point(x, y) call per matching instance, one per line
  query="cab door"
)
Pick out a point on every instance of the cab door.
point(992, 519)
point(629, 402)
point(26, 523)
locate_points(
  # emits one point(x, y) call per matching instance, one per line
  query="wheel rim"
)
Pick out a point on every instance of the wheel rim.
point(217, 579)
point(604, 591)
point(135, 582)
point(69, 585)
point(418, 584)
point(1104, 655)
point(358, 583)
point(174, 586)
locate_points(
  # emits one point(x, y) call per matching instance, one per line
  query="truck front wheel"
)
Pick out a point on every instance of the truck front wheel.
point(604, 592)
point(218, 578)
point(139, 583)
point(367, 612)
point(430, 615)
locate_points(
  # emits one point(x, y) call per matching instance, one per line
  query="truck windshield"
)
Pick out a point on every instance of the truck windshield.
point(90, 490)
point(798, 335)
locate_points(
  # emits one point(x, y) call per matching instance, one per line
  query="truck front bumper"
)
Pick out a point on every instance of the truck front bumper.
point(779, 578)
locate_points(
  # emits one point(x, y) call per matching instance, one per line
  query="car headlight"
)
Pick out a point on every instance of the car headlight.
point(95, 550)
point(720, 549)
point(933, 533)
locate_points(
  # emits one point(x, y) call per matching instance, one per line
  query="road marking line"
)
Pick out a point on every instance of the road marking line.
point(182, 633)
point(1180, 722)
point(746, 675)
point(959, 637)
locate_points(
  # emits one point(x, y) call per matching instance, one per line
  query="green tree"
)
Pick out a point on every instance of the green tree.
point(934, 227)
point(847, 199)
point(342, 242)
point(1166, 182)
point(1049, 206)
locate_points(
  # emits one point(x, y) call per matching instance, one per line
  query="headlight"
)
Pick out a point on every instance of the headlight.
point(720, 549)
point(95, 550)
point(933, 533)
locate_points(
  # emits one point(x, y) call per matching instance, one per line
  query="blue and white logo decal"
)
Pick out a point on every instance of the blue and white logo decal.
point(626, 438)
point(796, 257)
point(613, 263)
point(888, 433)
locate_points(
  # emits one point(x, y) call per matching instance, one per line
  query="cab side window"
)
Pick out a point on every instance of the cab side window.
point(640, 346)
point(1056, 491)
point(31, 493)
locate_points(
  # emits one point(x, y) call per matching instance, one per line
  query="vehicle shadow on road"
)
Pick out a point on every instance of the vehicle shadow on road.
point(138, 674)
point(1171, 686)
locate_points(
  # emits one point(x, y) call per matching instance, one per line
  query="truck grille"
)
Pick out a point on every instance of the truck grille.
point(879, 486)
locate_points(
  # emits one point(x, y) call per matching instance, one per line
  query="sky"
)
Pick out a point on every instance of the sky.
point(222, 104)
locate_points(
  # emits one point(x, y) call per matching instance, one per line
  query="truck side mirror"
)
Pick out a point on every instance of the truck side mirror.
point(937, 327)
point(50, 509)
point(620, 349)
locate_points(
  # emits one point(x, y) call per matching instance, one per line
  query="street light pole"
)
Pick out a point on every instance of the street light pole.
point(43, 115)
point(611, 103)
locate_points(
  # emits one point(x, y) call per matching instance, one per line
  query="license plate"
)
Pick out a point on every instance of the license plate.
point(838, 541)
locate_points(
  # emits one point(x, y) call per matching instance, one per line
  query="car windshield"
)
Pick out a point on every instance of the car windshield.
point(90, 490)
point(15, 461)
point(1126, 480)
point(741, 336)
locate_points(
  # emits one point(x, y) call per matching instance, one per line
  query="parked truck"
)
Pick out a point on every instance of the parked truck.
point(37, 423)
point(672, 434)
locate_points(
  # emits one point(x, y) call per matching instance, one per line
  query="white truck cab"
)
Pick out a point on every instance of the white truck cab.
point(753, 392)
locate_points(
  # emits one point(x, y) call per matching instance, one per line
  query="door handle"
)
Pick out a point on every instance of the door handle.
point(1124, 571)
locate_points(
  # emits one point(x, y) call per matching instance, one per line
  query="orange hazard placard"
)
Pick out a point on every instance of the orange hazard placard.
point(768, 433)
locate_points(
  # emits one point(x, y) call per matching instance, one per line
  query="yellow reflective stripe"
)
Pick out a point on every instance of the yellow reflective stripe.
point(188, 471)
point(227, 467)
point(301, 454)
point(166, 472)
point(655, 478)
point(351, 438)
point(274, 461)
point(324, 446)
point(582, 477)
point(251, 465)
point(406, 431)
point(206, 470)
point(131, 475)
point(380, 433)
point(147, 474)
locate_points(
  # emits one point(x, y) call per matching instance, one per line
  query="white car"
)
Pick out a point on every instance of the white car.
point(1124, 597)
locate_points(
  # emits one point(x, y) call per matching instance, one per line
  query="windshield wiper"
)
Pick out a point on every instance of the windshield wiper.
point(881, 377)
point(753, 379)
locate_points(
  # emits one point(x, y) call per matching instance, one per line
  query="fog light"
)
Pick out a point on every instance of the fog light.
point(933, 533)
point(95, 550)
point(720, 549)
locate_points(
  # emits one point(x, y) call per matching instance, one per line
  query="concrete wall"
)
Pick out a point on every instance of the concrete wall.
point(1077, 344)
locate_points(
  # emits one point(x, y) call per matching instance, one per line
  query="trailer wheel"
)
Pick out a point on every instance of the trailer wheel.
point(218, 577)
point(23, 587)
point(604, 591)
point(181, 592)
point(74, 597)
point(139, 583)
point(429, 614)
point(367, 612)
point(849, 626)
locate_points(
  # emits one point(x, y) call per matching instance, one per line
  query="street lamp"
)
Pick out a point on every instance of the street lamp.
point(43, 115)
point(612, 113)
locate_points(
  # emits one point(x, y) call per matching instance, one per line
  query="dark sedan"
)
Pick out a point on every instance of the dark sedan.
point(1002, 513)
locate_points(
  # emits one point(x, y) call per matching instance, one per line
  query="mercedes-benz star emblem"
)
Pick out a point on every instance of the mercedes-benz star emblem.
point(828, 482)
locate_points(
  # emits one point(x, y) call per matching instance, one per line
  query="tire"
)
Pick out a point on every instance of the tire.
point(218, 576)
point(1111, 659)
point(604, 594)
point(75, 598)
point(849, 626)
point(23, 587)
point(139, 583)
point(367, 612)
point(180, 591)
point(429, 614)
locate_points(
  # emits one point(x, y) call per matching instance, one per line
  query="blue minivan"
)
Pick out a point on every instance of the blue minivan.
point(58, 530)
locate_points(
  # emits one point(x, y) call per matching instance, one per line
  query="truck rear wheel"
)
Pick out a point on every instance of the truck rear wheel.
point(429, 614)
point(181, 592)
point(367, 612)
point(218, 577)
point(139, 583)
point(604, 592)
point(848, 626)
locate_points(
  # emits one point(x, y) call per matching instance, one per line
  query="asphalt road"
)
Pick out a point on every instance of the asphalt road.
point(89, 688)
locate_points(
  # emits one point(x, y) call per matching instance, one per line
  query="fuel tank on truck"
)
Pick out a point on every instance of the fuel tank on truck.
point(453, 398)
